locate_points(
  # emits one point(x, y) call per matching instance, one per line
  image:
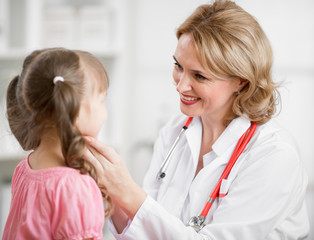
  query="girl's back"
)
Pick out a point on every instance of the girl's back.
point(49, 199)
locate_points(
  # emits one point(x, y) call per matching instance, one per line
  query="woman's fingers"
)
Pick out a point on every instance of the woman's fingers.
point(102, 150)
point(101, 159)
point(94, 161)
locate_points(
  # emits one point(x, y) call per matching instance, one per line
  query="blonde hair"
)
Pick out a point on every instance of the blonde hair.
point(232, 45)
point(35, 103)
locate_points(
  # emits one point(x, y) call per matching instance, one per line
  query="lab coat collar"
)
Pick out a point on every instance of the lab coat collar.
point(229, 137)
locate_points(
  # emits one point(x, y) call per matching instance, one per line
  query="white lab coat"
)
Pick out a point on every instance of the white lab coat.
point(262, 198)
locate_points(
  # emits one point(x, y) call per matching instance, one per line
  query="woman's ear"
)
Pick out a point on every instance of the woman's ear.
point(241, 84)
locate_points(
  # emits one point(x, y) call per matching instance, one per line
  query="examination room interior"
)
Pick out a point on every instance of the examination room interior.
point(135, 39)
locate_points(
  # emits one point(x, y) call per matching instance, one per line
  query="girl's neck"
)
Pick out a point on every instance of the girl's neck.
point(48, 154)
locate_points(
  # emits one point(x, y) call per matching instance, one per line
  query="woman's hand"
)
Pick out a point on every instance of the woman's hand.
point(115, 177)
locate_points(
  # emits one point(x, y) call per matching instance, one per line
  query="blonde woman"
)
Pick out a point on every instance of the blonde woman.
point(222, 72)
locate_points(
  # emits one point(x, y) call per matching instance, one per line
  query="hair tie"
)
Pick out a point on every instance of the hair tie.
point(57, 79)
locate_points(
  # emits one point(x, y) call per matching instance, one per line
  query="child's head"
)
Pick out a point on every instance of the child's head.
point(60, 91)
point(37, 102)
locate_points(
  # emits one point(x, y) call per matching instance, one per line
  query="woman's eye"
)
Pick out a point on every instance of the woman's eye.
point(200, 77)
point(177, 65)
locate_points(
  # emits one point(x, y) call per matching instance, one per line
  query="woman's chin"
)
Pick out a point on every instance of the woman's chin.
point(188, 112)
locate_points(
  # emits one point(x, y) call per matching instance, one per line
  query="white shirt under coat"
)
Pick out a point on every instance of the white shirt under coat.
point(262, 198)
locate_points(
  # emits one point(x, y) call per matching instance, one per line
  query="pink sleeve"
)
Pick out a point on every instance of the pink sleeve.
point(18, 173)
point(78, 210)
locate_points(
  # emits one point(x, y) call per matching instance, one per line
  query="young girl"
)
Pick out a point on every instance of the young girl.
point(57, 99)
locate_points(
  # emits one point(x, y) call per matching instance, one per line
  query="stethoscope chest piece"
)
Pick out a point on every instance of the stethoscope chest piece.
point(197, 222)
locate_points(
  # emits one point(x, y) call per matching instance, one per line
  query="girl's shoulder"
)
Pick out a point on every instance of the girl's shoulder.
point(54, 179)
point(78, 204)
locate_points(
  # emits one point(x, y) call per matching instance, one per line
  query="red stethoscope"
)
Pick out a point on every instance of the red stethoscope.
point(197, 222)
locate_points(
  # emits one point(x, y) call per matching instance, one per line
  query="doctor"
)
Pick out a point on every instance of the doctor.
point(222, 72)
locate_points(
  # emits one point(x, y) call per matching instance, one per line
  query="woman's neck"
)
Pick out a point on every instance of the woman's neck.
point(212, 129)
point(48, 154)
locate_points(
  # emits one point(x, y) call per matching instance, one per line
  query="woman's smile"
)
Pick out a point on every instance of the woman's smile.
point(188, 100)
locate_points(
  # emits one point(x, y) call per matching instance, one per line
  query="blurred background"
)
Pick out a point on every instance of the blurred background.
point(135, 39)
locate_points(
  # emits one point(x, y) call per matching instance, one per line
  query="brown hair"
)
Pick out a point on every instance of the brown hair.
point(231, 45)
point(35, 103)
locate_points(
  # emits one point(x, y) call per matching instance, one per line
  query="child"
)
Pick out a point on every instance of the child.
point(57, 99)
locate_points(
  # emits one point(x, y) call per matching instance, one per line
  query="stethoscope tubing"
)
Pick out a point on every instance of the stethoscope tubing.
point(162, 172)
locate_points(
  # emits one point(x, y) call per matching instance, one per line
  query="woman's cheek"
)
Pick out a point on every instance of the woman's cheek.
point(175, 76)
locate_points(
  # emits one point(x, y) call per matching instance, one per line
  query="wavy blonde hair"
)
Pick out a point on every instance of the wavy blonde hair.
point(232, 45)
point(35, 103)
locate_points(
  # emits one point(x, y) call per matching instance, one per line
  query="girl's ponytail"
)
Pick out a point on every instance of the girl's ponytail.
point(67, 105)
point(20, 119)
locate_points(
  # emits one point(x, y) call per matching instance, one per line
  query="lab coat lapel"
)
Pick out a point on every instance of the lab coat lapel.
point(204, 182)
point(194, 137)
point(175, 189)
point(231, 135)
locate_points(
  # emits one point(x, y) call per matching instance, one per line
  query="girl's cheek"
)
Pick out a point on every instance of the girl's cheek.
point(105, 115)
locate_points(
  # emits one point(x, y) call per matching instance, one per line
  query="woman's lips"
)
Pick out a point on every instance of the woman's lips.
point(188, 100)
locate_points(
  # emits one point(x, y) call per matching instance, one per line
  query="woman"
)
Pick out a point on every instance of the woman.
point(222, 73)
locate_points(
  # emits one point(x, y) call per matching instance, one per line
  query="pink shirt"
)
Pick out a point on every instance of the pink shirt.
point(54, 203)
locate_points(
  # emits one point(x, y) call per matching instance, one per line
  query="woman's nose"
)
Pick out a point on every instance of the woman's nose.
point(184, 83)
